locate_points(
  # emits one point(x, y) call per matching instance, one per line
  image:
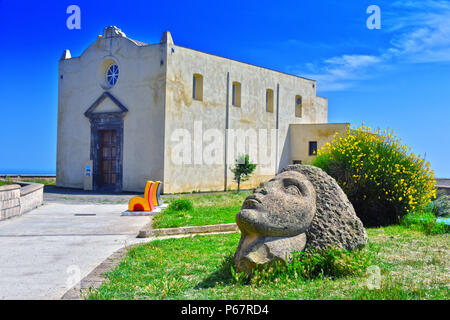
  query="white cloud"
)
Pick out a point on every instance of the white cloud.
point(427, 41)
point(423, 4)
point(420, 33)
point(353, 61)
point(339, 73)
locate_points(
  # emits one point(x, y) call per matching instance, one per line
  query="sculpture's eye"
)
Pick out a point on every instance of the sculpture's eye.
point(292, 186)
point(292, 189)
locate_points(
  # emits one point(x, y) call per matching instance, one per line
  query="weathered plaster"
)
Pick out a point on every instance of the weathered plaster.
point(301, 134)
point(182, 111)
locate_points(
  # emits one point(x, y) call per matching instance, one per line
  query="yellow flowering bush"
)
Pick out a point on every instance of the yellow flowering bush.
point(382, 179)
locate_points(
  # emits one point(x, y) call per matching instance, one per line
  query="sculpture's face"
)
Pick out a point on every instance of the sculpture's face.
point(283, 206)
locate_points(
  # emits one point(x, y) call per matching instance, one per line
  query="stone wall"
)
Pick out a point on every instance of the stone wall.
point(17, 199)
point(443, 185)
point(28, 177)
point(9, 201)
point(443, 189)
point(31, 196)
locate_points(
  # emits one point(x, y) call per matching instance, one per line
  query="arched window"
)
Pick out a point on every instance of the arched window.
point(197, 88)
point(269, 100)
point(236, 99)
point(298, 106)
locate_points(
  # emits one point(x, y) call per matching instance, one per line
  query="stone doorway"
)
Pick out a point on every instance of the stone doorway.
point(107, 143)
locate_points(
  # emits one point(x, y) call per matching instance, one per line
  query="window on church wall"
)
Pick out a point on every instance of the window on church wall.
point(236, 94)
point(298, 106)
point(312, 148)
point(269, 100)
point(112, 75)
point(197, 88)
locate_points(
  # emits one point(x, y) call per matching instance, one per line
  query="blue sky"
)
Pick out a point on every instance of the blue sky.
point(396, 77)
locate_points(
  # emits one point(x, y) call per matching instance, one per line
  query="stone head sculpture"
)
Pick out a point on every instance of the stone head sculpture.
point(300, 207)
point(283, 206)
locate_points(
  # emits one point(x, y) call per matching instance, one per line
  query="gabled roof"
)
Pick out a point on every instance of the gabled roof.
point(91, 114)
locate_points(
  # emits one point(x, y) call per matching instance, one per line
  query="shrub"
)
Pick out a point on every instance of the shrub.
point(381, 179)
point(424, 221)
point(7, 181)
point(180, 205)
point(177, 214)
point(441, 206)
point(311, 264)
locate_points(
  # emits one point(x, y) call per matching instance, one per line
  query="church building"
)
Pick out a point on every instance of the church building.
point(129, 112)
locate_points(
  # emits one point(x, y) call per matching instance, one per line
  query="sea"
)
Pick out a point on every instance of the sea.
point(444, 220)
point(27, 171)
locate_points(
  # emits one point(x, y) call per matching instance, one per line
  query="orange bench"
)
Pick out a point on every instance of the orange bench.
point(150, 200)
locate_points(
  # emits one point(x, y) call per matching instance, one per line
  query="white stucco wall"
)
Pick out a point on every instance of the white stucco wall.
point(302, 134)
point(140, 88)
point(182, 111)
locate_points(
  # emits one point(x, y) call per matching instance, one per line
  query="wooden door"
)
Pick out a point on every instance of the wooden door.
point(108, 158)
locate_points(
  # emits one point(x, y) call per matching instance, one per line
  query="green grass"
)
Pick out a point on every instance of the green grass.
point(46, 182)
point(207, 209)
point(6, 182)
point(412, 265)
point(424, 221)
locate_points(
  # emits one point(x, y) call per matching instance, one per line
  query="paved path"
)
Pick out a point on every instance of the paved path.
point(46, 251)
point(74, 196)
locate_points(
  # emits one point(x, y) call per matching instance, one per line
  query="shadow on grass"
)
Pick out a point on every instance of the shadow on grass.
point(222, 275)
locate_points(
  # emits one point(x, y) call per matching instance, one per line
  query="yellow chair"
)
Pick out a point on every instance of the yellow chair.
point(145, 203)
point(154, 193)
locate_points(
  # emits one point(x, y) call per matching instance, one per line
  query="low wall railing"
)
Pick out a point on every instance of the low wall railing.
point(19, 198)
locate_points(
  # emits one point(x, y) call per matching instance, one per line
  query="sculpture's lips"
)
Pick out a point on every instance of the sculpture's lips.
point(255, 221)
point(246, 219)
point(251, 202)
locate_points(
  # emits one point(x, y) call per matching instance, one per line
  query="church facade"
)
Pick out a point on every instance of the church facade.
point(129, 112)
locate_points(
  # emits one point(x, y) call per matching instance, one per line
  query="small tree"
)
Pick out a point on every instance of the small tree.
point(242, 170)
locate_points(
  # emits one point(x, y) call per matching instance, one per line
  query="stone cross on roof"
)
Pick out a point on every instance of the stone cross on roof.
point(113, 31)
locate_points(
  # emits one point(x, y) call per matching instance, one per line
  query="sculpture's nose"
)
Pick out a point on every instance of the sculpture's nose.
point(255, 200)
point(261, 189)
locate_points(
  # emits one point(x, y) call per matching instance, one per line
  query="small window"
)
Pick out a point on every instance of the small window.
point(112, 74)
point(197, 88)
point(313, 148)
point(269, 100)
point(298, 106)
point(296, 161)
point(236, 99)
